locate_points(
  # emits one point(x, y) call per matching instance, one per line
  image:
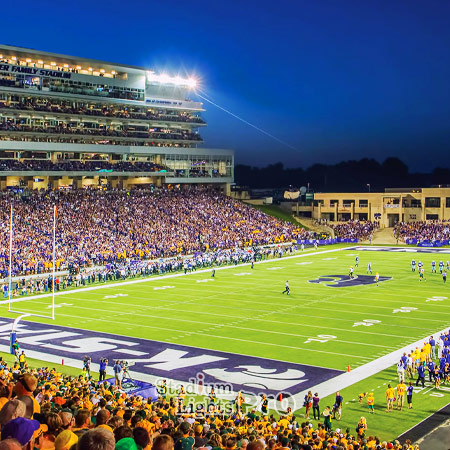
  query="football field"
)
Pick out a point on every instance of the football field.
point(322, 322)
point(238, 327)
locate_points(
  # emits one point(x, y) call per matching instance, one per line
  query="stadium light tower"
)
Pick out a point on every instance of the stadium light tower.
point(368, 185)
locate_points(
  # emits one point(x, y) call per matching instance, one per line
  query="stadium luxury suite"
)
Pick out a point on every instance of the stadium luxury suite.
point(75, 122)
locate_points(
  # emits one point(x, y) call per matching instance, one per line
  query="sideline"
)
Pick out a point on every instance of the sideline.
point(163, 277)
point(362, 372)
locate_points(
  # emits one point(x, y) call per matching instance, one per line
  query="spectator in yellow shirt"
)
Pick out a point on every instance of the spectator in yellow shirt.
point(390, 397)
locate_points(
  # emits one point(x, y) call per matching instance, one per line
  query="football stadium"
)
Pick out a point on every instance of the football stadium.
point(144, 305)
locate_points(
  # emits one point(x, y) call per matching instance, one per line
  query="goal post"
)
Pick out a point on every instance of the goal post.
point(11, 302)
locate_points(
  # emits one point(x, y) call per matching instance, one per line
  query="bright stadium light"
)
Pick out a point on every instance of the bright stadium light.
point(164, 78)
point(191, 82)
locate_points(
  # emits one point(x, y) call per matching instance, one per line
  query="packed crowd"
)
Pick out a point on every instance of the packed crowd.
point(99, 227)
point(431, 230)
point(76, 129)
point(43, 409)
point(85, 89)
point(76, 165)
point(84, 139)
point(118, 111)
point(354, 229)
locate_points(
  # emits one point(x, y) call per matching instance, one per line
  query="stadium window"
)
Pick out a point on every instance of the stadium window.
point(432, 202)
point(334, 202)
point(363, 203)
point(447, 202)
point(432, 217)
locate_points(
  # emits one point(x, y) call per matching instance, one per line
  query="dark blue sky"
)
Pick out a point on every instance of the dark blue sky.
point(336, 79)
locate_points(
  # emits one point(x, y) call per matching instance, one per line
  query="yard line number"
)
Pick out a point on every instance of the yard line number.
point(366, 323)
point(321, 338)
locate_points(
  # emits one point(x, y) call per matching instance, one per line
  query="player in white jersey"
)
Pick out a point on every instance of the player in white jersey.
point(369, 267)
point(287, 290)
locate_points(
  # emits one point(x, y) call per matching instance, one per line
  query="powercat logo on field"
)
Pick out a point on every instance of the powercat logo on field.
point(345, 280)
point(166, 360)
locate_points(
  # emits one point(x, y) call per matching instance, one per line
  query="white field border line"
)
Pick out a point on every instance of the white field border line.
point(348, 378)
point(163, 277)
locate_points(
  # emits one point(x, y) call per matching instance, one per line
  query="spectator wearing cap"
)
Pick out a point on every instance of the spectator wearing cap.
point(127, 443)
point(26, 385)
point(23, 430)
point(65, 440)
point(186, 442)
point(199, 438)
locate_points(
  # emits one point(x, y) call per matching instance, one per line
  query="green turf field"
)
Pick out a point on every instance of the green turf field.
point(243, 311)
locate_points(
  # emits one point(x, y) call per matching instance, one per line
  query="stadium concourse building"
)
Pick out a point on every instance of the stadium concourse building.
point(389, 207)
point(74, 122)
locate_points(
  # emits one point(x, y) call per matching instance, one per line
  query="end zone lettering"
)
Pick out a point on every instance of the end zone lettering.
point(167, 360)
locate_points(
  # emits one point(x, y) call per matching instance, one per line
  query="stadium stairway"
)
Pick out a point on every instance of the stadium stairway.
point(310, 224)
point(384, 236)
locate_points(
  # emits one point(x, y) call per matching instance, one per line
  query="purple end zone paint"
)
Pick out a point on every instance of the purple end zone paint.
point(161, 359)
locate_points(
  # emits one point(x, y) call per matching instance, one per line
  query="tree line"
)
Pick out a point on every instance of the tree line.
point(345, 176)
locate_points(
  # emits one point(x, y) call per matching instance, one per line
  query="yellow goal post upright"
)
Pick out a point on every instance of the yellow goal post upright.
point(11, 302)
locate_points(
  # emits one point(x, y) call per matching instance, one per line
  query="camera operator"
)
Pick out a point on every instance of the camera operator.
point(102, 370)
point(87, 365)
point(126, 373)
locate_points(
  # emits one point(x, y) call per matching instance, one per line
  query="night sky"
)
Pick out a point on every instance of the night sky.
point(335, 79)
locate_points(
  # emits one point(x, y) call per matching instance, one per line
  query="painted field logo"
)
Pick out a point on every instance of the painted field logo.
point(164, 360)
point(345, 280)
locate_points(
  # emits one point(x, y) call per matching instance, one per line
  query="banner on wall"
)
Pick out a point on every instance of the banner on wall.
point(441, 243)
point(327, 241)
